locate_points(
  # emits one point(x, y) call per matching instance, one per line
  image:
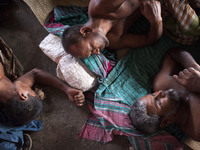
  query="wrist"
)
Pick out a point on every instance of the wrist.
point(156, 22)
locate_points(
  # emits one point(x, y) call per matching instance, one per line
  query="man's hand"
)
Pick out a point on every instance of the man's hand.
point(190, 79)
point(76, 96)
point(1, 71)
point(151, 9)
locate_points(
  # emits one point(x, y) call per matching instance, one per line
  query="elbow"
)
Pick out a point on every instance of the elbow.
point(150, 41)
point(35, 71)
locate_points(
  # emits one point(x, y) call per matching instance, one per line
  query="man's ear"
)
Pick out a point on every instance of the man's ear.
point(85, 30)
point(23, 95)
point(167, 120)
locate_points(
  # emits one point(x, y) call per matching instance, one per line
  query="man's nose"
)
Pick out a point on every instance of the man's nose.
point(96, 51)
point(160, 94)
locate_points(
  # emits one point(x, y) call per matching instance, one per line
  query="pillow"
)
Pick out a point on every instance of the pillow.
point(70, 69)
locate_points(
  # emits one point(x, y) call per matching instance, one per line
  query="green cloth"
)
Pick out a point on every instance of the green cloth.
point(180, 21)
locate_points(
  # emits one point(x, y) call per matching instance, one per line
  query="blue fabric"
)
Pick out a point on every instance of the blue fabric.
point(11, 138)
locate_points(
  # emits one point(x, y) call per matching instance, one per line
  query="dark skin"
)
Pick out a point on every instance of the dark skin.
point(183, 81)
point(22, 86)
point(111, 20)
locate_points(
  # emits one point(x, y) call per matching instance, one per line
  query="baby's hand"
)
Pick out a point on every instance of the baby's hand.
point(76, 96)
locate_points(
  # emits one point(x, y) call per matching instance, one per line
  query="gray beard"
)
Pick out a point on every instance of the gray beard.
point(172, 94)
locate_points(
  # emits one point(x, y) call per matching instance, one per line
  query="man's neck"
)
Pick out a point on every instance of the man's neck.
point(102, 25)
point(7, 89)
point(182, 114)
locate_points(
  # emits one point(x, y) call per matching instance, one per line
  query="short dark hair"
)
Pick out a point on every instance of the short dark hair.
point(20, 112)
point(146, 124)
point(71, 36)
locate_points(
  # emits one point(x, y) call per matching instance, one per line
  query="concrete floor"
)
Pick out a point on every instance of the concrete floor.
point(62, 120)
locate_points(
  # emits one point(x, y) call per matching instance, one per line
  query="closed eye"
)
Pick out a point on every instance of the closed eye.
point(158, 101)
point(91, 48)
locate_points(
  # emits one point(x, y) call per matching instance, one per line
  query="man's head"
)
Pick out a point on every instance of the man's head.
point(153, 111)
point(19, 112)
point(82, 41)
point(19, 103)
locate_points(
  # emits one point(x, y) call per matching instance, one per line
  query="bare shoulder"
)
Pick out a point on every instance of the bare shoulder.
point(112, 9)
point(2, 75)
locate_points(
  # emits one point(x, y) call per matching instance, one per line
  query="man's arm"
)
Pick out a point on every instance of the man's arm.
point(152, 11)
point(164, 80)
point(45, 78)
point(183, 58)
point(190, 76)
point(1, 71)
point(175, 60)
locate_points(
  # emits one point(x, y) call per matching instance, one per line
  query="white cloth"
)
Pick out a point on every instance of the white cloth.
point(71, 70)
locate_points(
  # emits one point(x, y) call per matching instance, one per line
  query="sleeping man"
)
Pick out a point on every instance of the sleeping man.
point(176, 98)
point(108, 26)
point(19, 104)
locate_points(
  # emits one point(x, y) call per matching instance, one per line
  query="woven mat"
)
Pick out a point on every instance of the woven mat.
point(42, 8)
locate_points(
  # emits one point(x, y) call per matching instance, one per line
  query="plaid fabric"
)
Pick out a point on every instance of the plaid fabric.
point(156, 142)
point(181, 23)
point(130, 79)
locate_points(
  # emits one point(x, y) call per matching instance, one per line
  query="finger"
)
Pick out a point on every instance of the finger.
point(181, 74)
point(80, 104)
point(187, 74)
point(78, 96)
point(82, 100)
point(179, 80)
point(186, 71)
point(192, 70)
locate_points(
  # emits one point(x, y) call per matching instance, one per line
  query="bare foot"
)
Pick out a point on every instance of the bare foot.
point(76, 96)
point(189, 78)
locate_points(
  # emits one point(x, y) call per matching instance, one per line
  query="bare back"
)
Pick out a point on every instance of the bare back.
point(112, 9)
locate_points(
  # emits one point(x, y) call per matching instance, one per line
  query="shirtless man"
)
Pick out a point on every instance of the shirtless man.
point(19, 104)
point(108, 25)
point(177, 99)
